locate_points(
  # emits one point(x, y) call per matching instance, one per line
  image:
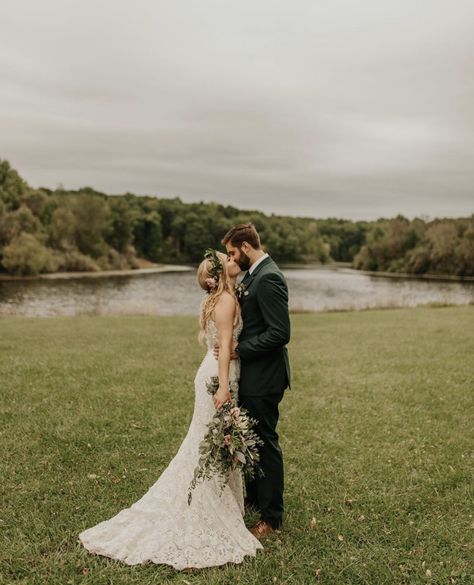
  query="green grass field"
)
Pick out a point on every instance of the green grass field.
point(377, 435)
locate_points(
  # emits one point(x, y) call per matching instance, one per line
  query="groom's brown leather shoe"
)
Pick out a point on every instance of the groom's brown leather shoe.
point(262, 528)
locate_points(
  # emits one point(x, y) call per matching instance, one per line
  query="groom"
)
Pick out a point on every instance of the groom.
point(265, 368)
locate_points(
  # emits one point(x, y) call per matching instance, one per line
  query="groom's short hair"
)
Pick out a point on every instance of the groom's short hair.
point(242, 232)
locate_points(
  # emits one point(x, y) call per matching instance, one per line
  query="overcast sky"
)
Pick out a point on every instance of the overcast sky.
point(347, 108)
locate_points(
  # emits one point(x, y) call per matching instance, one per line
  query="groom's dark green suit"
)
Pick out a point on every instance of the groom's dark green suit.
point(265, 374)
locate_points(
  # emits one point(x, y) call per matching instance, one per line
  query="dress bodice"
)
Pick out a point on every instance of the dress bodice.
point(211, 332)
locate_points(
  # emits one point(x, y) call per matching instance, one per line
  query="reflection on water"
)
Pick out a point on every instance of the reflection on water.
point(170, 293)
point(317, 290)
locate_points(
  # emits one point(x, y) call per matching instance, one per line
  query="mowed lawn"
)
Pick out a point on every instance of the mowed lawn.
point(377, 435)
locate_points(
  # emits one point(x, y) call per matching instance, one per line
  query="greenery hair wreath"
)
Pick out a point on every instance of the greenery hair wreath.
point(216, 264)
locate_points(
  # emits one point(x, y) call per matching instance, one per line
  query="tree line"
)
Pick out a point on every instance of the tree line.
point(44, 230)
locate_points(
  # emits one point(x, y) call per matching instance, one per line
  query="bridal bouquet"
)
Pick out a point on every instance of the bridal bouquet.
point(230, 443)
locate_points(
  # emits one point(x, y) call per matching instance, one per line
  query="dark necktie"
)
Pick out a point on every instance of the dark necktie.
point(246, 278)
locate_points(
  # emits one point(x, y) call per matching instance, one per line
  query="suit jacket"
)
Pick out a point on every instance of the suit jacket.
point(265, 366)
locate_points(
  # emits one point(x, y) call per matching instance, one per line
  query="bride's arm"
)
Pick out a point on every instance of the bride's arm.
point(224, 317)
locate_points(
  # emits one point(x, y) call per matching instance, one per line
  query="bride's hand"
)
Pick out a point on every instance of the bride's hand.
point(221, 397)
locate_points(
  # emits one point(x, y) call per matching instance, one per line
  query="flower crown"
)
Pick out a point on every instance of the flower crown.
point(216, 268)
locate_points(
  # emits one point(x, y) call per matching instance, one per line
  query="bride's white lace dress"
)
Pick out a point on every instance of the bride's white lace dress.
point(161, 527)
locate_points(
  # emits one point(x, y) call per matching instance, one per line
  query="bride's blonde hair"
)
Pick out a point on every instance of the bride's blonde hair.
point(215, 280)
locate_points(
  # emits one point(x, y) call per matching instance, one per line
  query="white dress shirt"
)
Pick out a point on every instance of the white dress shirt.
point(257, 262)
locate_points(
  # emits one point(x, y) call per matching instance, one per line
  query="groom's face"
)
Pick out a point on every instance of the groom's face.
point(239, 256)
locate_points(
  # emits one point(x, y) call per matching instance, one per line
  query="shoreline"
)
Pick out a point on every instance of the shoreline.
point(408, 275)
point(152, 269)
point(346, 267)
point(99, 273)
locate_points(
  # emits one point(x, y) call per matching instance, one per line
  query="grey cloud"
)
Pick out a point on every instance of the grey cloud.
point(330, 108)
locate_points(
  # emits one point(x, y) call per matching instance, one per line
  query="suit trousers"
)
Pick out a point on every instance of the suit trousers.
point(266, 493)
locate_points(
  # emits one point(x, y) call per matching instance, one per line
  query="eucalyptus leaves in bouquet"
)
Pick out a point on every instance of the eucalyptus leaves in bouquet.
point(230, 443)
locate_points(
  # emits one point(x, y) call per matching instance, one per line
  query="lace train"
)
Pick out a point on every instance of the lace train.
point(160, 527)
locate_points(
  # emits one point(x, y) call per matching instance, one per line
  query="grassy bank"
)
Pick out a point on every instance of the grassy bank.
point(376, 433)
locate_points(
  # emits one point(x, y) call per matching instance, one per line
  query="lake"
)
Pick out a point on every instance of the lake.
point(177, 293)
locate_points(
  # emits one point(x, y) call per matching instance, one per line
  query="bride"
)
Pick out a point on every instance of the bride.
point(161, 527)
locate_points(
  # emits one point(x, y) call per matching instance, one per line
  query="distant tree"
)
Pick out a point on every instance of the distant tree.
point(37, 201)
point(28, 256)
point(447, 248)
point(344, 237)
point(168, 209)
point(73, 261)
point(316, 248)
point(442, 240)
point(93, 223)
point(12, 186)
point(62, 228)
point(121, 234)
point(21, 220)
point(195, 236)
point(147, 235)
point(465, 249)
point(387, 242)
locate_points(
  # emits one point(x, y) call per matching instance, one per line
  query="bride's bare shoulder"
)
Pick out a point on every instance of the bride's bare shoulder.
point(226, 298)
point(225, 306)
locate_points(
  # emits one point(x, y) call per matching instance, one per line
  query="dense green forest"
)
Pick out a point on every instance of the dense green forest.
point(42, 230)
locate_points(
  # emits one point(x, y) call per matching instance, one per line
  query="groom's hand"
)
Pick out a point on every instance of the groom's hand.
point(233, 354)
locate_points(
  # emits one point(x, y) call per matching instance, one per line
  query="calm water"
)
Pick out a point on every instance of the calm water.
point(171, 293)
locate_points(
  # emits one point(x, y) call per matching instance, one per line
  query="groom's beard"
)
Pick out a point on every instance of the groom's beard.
point(243, 261)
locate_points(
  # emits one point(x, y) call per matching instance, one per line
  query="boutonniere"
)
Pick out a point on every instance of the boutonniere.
point(240, 290)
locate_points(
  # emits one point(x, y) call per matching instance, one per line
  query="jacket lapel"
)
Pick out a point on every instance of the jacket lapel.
point(248, 281)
